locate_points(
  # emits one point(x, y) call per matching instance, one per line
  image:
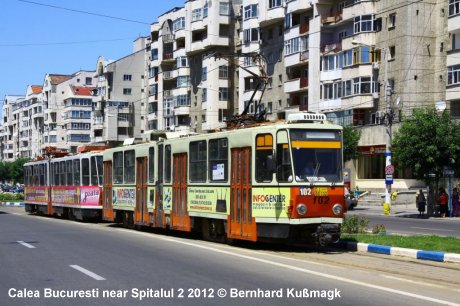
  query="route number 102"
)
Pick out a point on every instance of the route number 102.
point(305, 191)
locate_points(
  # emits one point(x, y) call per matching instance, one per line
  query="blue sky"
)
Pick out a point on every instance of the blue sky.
point(38, 39)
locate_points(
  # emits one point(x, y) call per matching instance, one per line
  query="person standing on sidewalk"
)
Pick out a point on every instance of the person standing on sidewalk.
point(455, 203)
point(442, 202)
point(421, 203)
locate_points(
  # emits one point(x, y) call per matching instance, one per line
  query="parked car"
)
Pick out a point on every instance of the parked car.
point(17, 189)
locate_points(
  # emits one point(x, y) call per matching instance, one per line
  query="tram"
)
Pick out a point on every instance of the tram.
point(68, 186)
point(244, 184)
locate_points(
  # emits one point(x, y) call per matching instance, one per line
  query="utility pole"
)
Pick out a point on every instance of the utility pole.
point(389, 169)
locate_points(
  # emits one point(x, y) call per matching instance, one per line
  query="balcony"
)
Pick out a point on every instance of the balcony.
point(331, 19)
point(304, 28)
point(168, 38)
point(168, 56)
point(296, 85)
point(271, 16)
point(349, 11)
point(329, 47)
point(296, 58)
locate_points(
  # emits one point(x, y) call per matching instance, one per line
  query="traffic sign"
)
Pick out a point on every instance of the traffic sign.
point(390, 169)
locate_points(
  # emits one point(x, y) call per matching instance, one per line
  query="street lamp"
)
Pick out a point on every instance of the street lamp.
point(389, 168)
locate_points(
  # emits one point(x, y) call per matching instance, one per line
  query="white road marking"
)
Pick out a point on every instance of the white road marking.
point(433, 229)
point(87, 272)
point(416, 282)
point(26, 244)
point(306, 271)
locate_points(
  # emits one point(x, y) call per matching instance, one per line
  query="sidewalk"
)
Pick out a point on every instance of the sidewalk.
point(401, 210)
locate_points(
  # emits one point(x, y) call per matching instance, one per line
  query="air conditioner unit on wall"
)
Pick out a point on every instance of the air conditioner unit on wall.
point(376, 65)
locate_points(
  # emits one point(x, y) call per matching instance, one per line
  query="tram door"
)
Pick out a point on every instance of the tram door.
point(107, 205)
point(141, 213)
point(241, 224)
point(158, 213)
point(180, 219)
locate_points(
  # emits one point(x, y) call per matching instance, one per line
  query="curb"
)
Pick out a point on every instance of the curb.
point(12, 204)
point(410, 253)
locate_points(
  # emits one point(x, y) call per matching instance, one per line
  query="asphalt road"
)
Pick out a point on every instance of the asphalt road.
point(407, 222)
point(113, 266)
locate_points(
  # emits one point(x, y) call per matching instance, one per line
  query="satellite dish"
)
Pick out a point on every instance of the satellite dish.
point(440, 106)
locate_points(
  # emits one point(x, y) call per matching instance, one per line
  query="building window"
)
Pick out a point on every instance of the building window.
point(126, 91)
point(88, 81)
point(198, 159)
point(362, 85)
point(363, 24)
point(223, 94)
point(329, 63)
point(223, 72)
point(183, 81)
point(453, 75)
point(181, 61)
point(269, 107)
point(154, 53)
point(392, 21)
point(196, 15)
point(292, 46)
point(251, 35)
point(204, 95)
point(274, 3)
point(454, 7)
point(224, 8)
point(179, 24)
point(392, 54)
point(205, 10)
point(127, 77)
point(250, 11)
point(204, 73)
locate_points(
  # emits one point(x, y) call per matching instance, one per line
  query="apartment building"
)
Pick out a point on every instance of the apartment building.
point(68, 105)
point(9, 133)
point(120, 102)
point(453, 57)
point(191, 84)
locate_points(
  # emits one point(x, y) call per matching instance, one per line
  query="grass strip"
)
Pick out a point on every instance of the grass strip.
point(425, 243)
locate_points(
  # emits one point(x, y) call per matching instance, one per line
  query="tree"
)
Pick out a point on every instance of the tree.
point(426, 143)
point(351, 138)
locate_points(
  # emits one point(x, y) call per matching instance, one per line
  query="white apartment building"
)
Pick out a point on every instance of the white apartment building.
point(120, 106)
point(9, 133)
point(453, 58)
point(67, 102)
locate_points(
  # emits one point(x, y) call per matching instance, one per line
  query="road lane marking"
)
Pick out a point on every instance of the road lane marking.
point(306, 271)
point(433, 229)
point(87, 272)
point(26, 244)
point(417, 282)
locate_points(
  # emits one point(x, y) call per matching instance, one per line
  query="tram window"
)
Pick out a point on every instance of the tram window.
point(69, 172)
point(264, 156)
point(151, 165)
point(283, 158)
point(218, 160)
point(55, 169)
point(94, 176)
point(85, 172)
point(118, 168)
point(129, 167)
point(168, 164)
point(198, 161)
point(41, 170)
point(76, 172)
point(62, 173)
point(100, 170)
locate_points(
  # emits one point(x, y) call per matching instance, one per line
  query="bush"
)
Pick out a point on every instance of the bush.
point(355, 225)
point(379, 229)
point(9, 196)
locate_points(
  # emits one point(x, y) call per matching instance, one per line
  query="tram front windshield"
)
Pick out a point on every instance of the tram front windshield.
point(317, 155)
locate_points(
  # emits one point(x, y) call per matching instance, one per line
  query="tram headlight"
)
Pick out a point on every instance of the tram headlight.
point(337, 209)
point(302, 209)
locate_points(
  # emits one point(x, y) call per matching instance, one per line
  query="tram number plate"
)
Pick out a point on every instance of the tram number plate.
point(321, 192)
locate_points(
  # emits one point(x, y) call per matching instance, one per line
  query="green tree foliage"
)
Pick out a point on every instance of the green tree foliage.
point(13, 171)
point(426, 143)
point(351, 137)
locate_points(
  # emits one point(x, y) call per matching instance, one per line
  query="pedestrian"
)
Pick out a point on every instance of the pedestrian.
point(442, 202)
point(421, 203)
point(356, 192)
point(455, 203)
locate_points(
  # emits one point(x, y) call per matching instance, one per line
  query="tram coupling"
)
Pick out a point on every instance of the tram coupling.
point(326, 234)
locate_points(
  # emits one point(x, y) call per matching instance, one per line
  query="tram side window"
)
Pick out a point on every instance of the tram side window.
point(85, 172)
point(198, 161)
point(218, 160)
point(76, 172)
point(168, 164)
point(62, 173)
point(264, 156)
point(69, 172)
point(41, 175)
point(151, 165)
point(55, 173)
point(283, 158)
point(118, 168)
point(94, 172)
point(129, 167)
